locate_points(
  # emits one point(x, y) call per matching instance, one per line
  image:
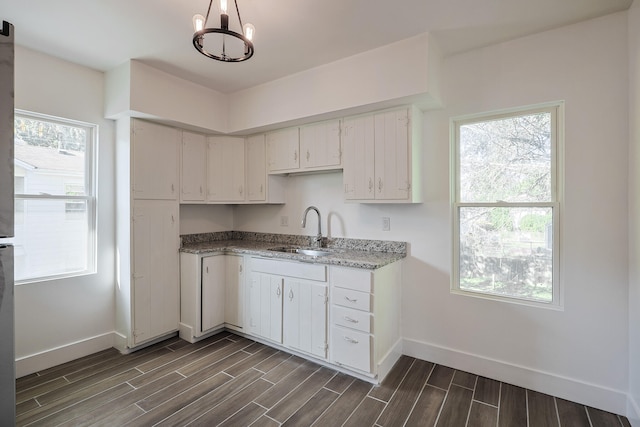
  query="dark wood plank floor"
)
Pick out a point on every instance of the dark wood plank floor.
point(233, 381)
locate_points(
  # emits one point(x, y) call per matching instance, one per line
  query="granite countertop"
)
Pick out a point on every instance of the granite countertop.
point(358, 253)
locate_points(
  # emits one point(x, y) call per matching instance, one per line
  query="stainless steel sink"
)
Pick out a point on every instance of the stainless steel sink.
point(301, 251)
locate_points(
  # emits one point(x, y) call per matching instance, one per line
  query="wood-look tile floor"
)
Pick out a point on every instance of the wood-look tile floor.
point(233, 381)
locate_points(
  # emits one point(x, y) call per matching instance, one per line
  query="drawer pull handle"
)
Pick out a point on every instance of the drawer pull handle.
point(351, 300)
point(349, 319)
point(351, 340)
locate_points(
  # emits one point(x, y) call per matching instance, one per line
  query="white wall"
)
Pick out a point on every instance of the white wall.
point(634, 214)
point(580, 353)
point(60, 320)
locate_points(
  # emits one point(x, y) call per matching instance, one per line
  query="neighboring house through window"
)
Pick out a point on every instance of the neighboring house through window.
point(55, 219)
point(506, 205)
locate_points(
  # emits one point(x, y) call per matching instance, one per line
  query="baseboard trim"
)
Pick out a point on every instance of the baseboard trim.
point(604, 398)
point(56, 356)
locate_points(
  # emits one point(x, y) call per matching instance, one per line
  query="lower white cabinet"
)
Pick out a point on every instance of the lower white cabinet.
point(211, 294)
point(365, 318)
point(305, 316)
point(288, 304)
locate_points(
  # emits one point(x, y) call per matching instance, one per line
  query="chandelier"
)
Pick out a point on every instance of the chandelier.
point(222, 43)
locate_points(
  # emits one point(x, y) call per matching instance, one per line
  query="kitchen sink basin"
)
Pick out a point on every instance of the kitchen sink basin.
point(301, 251)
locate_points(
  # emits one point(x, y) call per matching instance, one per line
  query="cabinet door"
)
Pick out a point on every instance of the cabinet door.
point(194, 167)
point(213, 292)
point(225, 169)
point(283, 150)
point(155, 269)
point(155, 154)
point(234, 290)
point(265, 305)
point(305, 316)
point(358, 163)
point(392, 170)
point(256, 168)
point(320, 145)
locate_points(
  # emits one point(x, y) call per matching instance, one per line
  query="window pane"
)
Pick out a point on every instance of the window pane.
point(506, 160)
point(51, 238)
point(50, 157)
point(507, 251)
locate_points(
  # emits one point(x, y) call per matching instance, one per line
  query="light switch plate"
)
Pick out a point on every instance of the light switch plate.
point(386, 223)
point(284, 221)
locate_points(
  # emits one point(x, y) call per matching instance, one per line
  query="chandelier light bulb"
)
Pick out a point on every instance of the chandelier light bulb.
point(249, 31)
point(198, 22)
point(223, 7)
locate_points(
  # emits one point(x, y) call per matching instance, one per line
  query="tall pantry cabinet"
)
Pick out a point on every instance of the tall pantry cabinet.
point(147, 232)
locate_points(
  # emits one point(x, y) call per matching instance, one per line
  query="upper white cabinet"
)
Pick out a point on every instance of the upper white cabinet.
point(225, 169)
point(261, 188)
point(283, 150)
point(320, 146)
point(314, 147)
point(155, 154)
point(382, 157)
point(193, 167)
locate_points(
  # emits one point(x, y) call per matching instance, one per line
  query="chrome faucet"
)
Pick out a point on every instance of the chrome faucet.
point(318, 238)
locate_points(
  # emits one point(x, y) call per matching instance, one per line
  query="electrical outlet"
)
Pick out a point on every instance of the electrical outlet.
point(284, 221)
point(386, 223)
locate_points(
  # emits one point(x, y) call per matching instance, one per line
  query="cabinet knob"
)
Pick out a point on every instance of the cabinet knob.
point(308, 155)
point(261, 188)
point(370, 184)
point(278, 292)
point(379, 185)
point(290, 294)
point(295, 155)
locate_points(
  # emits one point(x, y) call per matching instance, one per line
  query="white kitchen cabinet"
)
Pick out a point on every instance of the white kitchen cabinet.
point(234, 291)
point(225, 169)
point(305, 316)
point(382, 157)
point(211, 294)
point(261, 188)
point(265, 306)
point(283, 150)
point(155, 270)
point(320, 146)
point(155, 150)
point(365, 318)
point(147, 233)
point(193, 168)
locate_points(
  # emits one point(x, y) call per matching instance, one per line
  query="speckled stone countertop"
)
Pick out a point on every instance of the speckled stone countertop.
point(358, 253)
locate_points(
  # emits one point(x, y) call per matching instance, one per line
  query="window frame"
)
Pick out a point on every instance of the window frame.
point(90, 196)
point(556, 109)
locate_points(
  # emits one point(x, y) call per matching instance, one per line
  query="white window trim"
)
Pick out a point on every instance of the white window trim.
point(557, 183)
point(91, 173)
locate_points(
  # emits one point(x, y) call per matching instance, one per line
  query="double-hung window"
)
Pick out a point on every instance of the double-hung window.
point(55, 204)
point(506, 205)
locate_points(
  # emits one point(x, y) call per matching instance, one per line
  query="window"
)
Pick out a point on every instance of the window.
point(55, 218)
point(506, 205)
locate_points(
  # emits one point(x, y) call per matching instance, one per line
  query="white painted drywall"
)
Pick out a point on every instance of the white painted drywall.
point(72, 317)
point(581, 352)
point(634, 214)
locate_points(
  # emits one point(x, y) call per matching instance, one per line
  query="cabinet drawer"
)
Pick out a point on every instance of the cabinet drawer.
point(352, 299)
point(351, 348)
point(352, 278)
point(349, 318)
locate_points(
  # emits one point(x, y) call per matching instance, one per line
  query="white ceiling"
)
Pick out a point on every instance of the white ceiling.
point(291, 35)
